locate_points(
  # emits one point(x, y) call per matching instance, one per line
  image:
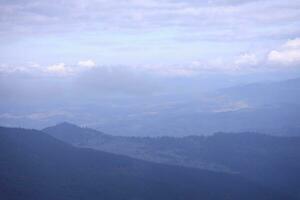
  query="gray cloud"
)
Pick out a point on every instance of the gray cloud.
point(244, 19)
point(33, 88)
point(129, 32)
point(116, 80)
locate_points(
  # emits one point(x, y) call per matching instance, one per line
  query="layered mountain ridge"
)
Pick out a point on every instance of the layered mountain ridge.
point(35, 165)
point(269, 160)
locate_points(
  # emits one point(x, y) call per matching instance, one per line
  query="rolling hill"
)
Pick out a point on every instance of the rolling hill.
point(34, 165)
point(268, 160)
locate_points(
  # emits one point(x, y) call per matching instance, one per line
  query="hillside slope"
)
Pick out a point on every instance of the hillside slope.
point(37, 166)
point(269, 160)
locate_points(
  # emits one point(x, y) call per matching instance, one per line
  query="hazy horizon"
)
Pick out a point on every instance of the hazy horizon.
point(109, 64)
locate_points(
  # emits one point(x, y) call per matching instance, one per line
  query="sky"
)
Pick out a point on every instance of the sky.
point(55, 51)
point(170, 37)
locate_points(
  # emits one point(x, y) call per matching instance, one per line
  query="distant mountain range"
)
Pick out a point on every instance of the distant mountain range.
point(273, 162)
point(266, 107)
point(34, 165)
point(282, 92)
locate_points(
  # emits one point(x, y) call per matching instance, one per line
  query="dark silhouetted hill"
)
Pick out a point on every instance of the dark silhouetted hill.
point(268, 160)
point(34, 165)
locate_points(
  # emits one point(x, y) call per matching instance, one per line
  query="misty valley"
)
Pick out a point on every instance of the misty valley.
point(192, 150)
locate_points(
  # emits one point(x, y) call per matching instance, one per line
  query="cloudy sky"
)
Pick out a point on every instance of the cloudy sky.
point(180, 37)
point(62, 55)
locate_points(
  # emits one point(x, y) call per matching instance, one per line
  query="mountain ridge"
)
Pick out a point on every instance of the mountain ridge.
point(35, 165)
point(270, 160)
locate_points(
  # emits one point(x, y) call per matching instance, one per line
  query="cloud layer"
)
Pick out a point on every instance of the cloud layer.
point(285, 55)
point(144, 32)
point(288, 54)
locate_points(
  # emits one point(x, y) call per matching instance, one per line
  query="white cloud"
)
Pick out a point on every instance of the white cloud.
point(288, 54)
point(63, 69)
point(6, 68)
point(151, 25)
point(295, 43)
point(59, 68)
point(87, 63)
point(246, 59)
point(285, 56)
point(53, 69)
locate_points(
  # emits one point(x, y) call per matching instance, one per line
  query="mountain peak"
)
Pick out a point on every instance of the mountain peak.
point(64, 127)
point(66, 124)
point(71, 132)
